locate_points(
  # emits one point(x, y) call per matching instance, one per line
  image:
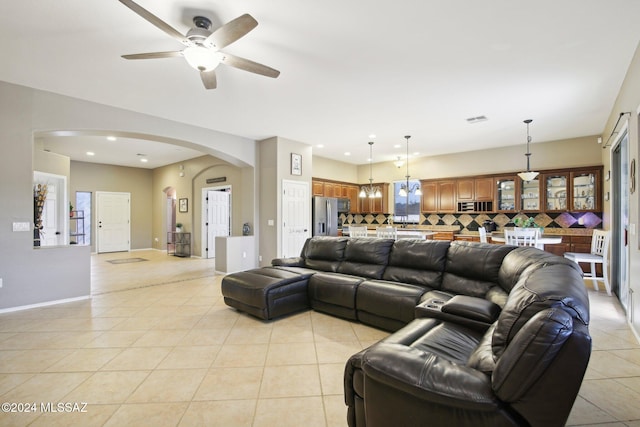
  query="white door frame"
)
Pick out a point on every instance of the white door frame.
point(204, 215)
point(623, 290)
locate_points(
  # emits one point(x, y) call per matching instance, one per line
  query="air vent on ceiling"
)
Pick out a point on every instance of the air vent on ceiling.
point(477, 119)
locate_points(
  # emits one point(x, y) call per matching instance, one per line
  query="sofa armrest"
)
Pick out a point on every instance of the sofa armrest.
point(288, 262)
point(473, 308)
point(428, 377)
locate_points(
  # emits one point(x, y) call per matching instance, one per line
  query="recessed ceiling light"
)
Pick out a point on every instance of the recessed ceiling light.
point(320, 145)
point(397, 146)
point(143, 160)
point(372, 136)
point(111, 138)
point(90, 153)
point(417, 153)
point(347, 153)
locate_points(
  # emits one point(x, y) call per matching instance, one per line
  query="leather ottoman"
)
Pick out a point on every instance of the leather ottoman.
point(266, 292)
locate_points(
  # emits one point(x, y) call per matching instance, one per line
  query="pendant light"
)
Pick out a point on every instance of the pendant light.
point(529, 175)
point(370, 191)
point(406, 189)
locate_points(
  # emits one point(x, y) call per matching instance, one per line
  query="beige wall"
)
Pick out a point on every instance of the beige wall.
point(94, 177)
point(190, 186)
point(628, 100)
point(275, 166)
point(332, 169)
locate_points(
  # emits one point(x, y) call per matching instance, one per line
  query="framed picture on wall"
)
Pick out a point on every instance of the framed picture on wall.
point(296, 164)
point(183, 205)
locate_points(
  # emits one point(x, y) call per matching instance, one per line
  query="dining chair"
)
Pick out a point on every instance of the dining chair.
point(357, 231)
point(387, 232)
point(483, 234)
point(598, 255)
point(521, 237)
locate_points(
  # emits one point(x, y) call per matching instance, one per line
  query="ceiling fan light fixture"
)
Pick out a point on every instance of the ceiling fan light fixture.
point(201, 58)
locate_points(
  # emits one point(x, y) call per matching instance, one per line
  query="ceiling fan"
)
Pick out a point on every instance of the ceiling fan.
point(202, 46)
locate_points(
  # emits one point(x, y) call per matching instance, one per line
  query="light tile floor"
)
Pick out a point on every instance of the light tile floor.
point(156, 345)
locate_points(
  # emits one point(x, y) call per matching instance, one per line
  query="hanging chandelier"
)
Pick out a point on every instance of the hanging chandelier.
point(370, 191)
point(529, 175)
point(406, 189)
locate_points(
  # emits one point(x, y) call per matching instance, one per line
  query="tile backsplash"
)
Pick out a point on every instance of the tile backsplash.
point(471, 222)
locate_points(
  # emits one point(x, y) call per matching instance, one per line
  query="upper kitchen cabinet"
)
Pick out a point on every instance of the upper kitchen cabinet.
point(474, 194)
point(586, 189)
point(573, 190)
point(507, 195)
point(375, 204)
point(438, 196)
point(556, 191)
point(530, 195)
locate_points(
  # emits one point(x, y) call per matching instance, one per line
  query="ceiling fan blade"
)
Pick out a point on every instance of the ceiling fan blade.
point(144, 13)
point(153, 55)
point(247, 65)
point(209, 79)
point(232, 31)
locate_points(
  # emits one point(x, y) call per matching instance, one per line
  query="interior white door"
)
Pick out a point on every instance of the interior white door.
point(51, 234)
point(218, 218)
point(296, 216)
point(113, 214)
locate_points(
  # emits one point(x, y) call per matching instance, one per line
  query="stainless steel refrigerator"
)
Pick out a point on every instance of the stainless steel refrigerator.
point(325, 216)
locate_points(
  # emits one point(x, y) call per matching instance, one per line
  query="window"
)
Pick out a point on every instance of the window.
point(406, 208)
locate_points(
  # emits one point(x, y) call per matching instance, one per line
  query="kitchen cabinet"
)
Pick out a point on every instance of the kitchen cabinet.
point(475, 189)
point(556, 191)
point(443, 235)
point(474, 194)
point(530, 195)
point(317, 188)
point(575, 190)
point(586, 188)
point(438, 196)
point(351, 192)
point(375, 204)
point(507, 195)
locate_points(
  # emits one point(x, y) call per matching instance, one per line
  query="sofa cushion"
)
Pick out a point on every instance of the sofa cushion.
point(473, 268)
point(541, 286)
point(388, 299)
point(366, 257)
point(334, 293)
point(518, 260)
point(324, 253)
point(418, 262)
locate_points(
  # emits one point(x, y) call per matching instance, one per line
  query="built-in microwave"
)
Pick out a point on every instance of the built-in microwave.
point(344, 205)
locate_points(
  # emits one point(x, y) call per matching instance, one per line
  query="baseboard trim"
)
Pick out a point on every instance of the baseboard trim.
point(43, 304)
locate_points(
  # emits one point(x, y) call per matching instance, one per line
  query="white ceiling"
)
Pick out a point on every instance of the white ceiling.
point(348, 68)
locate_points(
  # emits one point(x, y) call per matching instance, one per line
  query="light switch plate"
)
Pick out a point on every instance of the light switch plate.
point(21, 226)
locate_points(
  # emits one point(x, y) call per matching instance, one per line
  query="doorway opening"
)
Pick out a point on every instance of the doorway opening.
point(169, 214)
point(81, 219)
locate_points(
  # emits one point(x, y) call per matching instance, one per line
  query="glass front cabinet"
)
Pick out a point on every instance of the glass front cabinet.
point(576, 190)
point(556, 191)
point(506, 192)
point(530, 195)
point(586, 187)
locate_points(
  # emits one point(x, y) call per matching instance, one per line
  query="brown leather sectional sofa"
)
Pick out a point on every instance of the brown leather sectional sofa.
point(485, 335)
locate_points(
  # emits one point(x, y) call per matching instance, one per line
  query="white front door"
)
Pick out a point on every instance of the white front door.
point(296, 212)
point(113, 214)
point(218, 218)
